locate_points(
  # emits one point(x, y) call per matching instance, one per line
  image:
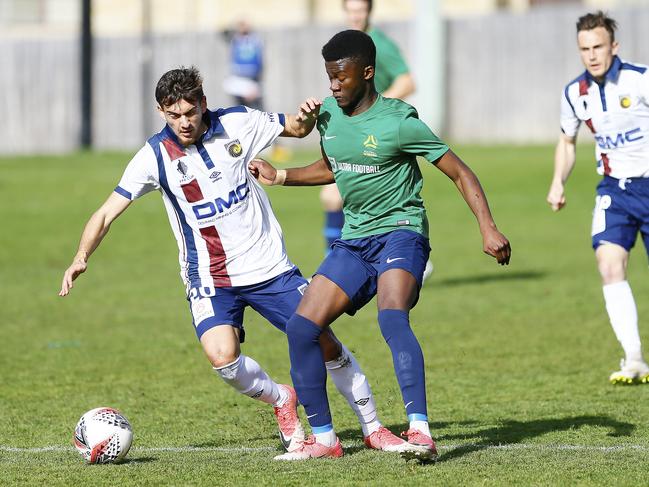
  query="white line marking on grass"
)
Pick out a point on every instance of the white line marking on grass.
point(174, 449)
point(243, 449)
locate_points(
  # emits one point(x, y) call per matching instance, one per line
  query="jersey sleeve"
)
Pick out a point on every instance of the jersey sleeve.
point(416, 138)
point(140, 176)
point(265, 127)
point(392, 61)
point(569, 121)
point(644, 87)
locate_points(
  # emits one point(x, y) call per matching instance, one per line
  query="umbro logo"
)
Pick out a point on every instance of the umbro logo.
point(215, 176)
point(257, 394)
point(363, 401)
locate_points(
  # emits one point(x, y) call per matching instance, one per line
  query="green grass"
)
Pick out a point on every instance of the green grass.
point(517, 358)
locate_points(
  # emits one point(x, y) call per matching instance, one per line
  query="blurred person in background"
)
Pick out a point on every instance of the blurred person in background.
point(246, 71)
point(393, 80)
point(246, 66)
point(612, 98)
point(231, 249)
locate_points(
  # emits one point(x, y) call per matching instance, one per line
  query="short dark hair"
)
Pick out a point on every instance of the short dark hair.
point(598, 19)
point(368, 2)
point(179, 84)
point(350, 44)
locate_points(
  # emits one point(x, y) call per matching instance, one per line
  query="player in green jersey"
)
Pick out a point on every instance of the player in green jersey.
point(369, 146)
point(392, 79)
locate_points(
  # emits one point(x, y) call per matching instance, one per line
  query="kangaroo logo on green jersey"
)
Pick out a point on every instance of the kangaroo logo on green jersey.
point(370, 144)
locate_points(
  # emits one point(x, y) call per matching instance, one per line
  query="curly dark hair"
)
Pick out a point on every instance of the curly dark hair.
point(350, 44)
point(179, 84)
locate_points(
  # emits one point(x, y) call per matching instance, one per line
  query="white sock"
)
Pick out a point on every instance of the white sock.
point(352, 384)
point(420, 426)
point(624, 318)
point(247, 377)
point(327, 438)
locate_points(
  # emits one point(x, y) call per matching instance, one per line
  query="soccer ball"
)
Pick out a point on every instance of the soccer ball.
point(103, 435)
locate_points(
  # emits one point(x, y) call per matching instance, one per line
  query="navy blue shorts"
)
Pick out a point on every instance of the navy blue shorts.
point(621, 211)
point(355, 265)
point(275, 299)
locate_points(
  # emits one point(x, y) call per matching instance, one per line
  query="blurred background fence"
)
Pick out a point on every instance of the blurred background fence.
point(504, 72)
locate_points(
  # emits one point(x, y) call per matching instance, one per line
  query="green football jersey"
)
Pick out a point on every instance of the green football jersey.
point(374, 159)
point(389, 62)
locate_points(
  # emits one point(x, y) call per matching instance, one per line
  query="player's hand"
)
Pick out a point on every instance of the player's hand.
point(496, 245)
point(78, 267)
point(264, 172)
point(556, 197)
point(308, 111)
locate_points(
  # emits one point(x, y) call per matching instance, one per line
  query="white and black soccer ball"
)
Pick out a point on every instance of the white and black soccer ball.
point(103, 435)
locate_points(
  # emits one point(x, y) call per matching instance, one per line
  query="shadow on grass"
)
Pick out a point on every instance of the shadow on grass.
point(485, 278)
point(509, 432)
point(512, 432)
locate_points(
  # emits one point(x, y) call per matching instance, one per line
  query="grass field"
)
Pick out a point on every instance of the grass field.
point(517, 358)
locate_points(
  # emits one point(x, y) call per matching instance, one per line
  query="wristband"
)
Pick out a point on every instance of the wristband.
point(280, 177)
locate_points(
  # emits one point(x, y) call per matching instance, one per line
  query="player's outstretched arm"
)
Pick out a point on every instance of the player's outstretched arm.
point(94, 231)
point(564, 162)
point(314, 174)
point(301, 124)
point(494, 243)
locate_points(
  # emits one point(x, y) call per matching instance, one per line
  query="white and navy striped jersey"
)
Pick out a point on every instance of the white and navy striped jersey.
point(617, 114)
point(222, 219)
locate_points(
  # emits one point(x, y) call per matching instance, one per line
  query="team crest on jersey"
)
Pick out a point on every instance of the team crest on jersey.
point(625, 101)
point(183, 169)
point(234, 148)
point(370, 144)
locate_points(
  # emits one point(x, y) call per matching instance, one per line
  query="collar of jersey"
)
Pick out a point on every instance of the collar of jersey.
point(214, 128)
point(611, 75)
point(366, 113)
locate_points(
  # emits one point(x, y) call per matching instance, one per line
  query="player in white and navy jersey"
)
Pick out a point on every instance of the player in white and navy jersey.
point(611, 98)
point(231, 248)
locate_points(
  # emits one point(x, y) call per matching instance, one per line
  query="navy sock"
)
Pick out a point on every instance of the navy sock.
point(308, 369)
point(334, 221)
point(407, 358)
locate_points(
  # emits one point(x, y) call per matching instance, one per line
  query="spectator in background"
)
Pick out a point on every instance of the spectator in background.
point(392, 80)
point(246, 66)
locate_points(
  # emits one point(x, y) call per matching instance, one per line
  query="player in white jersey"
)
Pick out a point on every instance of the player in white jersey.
point(231, 248)
point(612, 98)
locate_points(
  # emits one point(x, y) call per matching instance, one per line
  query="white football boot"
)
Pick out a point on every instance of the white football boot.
point(631, 372)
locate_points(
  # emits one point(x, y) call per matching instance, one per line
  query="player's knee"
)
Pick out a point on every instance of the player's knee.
point(330, 346)
point(226, 369)
point(221, 357)
point(611, 273)
point(611, 268)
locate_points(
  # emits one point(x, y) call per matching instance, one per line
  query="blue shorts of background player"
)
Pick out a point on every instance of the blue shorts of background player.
point(355, 265)
point(621, 211)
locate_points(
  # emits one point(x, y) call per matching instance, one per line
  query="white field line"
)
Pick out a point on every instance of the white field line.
point(241, 449)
